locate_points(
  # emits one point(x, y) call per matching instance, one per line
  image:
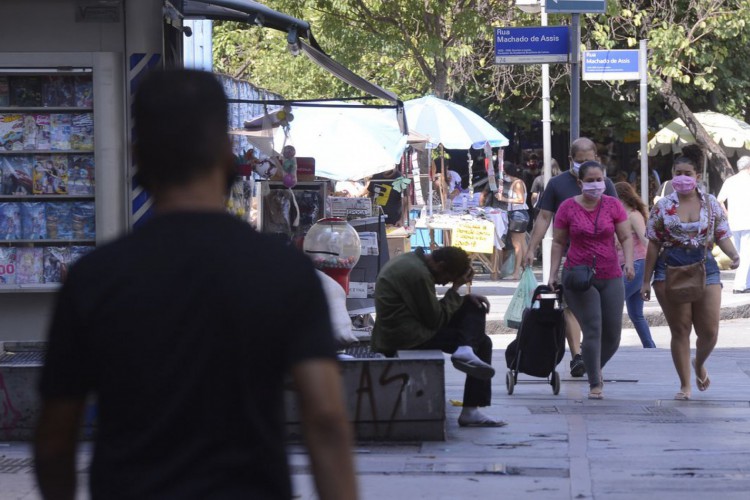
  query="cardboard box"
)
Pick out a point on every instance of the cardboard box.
point(398, 244)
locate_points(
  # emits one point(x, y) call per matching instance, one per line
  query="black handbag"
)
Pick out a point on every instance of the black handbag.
point(518, 221)
point(580, 278)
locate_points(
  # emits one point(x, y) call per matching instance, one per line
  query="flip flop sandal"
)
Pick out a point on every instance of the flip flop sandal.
point(702, 383)
point(486, 422)
point(682, 396)
point(474, 368)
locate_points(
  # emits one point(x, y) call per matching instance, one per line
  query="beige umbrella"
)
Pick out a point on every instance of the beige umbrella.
point(731, 134)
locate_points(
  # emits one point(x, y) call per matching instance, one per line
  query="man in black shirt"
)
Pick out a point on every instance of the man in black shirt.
point(184, 331)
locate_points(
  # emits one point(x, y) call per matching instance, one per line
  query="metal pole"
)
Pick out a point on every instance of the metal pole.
point(547, 145)
point(643, 89)
point(431, 178)
point(575, 77)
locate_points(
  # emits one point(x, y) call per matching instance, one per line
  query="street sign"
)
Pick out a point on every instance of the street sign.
point(610, 65)
point(575, 6)
point(534, 45)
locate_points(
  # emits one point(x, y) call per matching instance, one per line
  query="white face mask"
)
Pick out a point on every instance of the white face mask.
point(576, 167)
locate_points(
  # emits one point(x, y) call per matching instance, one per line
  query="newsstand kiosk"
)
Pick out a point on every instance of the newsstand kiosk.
point(68, 72)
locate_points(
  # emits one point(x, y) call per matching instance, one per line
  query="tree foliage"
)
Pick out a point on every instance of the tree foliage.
point(695, 47)
point(697, 50)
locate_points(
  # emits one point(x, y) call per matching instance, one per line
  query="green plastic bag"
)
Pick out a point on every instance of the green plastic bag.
point(508, 266)
point(521, 299)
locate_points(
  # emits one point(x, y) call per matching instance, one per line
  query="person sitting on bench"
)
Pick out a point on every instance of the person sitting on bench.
point(410, 316)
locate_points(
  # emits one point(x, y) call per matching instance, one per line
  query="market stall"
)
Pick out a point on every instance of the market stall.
point(479, 231)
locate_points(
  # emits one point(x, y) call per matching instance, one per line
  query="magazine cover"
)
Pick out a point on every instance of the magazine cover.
point(58, 91)
point(81, 175)
point(41, 182)
point(29, 132)
point(33, 220)
point(76, 252)
point(43, 138)
point(56, 264)
point(4, 91)
point(59, 131)
point(16, 172)
point(11, 131)
point(25, 91)
point(60, 174)
point(7, 266)
point(59, 220)
point(84, 92)
point(10, 221)
point(30, 266)
point(84, 220)
point(50, 174)
point(82, 132)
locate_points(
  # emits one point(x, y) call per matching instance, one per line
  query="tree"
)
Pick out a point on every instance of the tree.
point(694, 49)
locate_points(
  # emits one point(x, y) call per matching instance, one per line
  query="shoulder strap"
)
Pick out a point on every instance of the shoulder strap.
point(709, 226)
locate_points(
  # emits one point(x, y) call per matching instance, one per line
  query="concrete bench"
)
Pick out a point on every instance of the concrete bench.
point(390, 399)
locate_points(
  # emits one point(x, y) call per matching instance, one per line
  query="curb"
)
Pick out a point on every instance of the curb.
point(497, 327)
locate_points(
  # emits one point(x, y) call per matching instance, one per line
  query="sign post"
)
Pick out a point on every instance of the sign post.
point(625, 65)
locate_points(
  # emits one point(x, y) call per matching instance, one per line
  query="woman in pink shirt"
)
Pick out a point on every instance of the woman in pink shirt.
point(588, 222)
point(637, 215)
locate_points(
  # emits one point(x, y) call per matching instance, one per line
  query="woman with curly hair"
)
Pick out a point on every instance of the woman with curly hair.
point(681, 229)
point(637, 215)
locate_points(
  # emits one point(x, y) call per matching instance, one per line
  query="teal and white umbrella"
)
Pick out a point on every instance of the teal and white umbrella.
point(450, 124)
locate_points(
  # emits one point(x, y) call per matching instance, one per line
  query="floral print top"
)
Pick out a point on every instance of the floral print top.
point(664, 225)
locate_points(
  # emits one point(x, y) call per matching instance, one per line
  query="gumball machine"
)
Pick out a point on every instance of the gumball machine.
point(334, 247)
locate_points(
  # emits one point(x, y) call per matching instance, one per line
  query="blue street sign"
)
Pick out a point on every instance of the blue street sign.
point(535, 45)
point(610, 65)
point(575, 6)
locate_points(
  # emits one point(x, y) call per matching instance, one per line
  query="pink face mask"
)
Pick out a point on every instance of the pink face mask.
point(684, 184)
point(593, 190)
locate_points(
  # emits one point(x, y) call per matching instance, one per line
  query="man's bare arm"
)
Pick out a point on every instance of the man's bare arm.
point(541, 223)
point(326, 428)
point(55, 446)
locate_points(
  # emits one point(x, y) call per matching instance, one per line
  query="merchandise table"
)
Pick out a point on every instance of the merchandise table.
point(447, 222)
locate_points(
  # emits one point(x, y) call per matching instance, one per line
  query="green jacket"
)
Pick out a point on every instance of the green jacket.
point(407, 311)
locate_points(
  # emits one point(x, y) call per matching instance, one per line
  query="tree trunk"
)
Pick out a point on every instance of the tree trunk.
point(717, 159)
point(440, 85)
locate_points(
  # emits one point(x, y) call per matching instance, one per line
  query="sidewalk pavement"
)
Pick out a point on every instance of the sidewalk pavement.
point(500, 292)
point(636, 443)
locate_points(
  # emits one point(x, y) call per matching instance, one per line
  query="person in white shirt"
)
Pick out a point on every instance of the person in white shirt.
point(453, 180)
point(734, 193)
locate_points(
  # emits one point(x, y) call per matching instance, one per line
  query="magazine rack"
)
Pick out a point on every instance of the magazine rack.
point(47, 175)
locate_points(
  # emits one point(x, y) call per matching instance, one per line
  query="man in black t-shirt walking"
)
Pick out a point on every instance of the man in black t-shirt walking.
point(184, 332)
point(558, 189)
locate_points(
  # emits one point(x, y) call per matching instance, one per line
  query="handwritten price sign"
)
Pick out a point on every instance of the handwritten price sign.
point(474, 236)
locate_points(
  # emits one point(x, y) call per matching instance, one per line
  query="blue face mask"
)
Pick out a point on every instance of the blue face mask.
point(576, 167)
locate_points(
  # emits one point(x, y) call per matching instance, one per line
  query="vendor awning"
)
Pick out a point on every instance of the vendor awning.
point(252, 12)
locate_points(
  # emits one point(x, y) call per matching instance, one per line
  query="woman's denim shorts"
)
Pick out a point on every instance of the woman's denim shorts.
point(680, 256)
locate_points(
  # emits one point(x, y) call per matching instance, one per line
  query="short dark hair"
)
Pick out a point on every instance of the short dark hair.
point(588, 165)
point(180, 126)
point(582, 144)
point(456, 260)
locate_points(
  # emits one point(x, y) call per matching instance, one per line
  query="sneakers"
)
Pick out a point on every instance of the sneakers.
point(577, 368)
